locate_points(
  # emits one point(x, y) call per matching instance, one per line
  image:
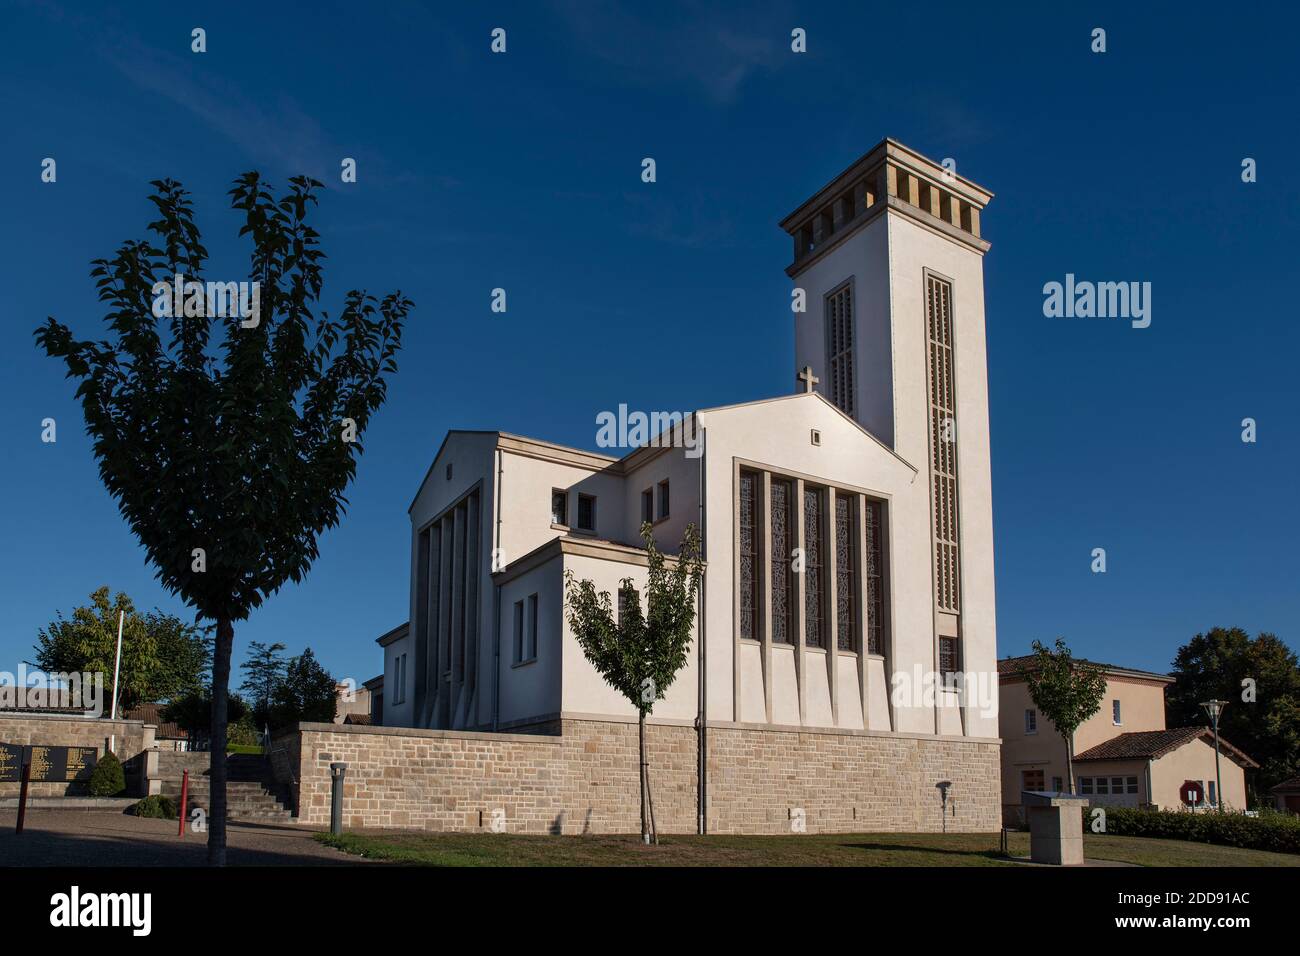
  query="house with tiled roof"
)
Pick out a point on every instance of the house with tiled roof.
point(169, 735)
point(1286, 795)
point(1124, 753)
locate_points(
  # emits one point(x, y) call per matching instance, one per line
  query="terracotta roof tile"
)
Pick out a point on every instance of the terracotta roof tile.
point(1153, 744)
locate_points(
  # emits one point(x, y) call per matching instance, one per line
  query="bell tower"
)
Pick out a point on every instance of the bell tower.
point(890, 258)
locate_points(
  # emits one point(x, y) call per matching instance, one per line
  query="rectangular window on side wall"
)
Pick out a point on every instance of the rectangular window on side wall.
point(519, 631)
point(663, 500)
point(559, 507)
point(532, 627)
point(1115, 714)
point(586, 513)
point(648, 506)
point(1031, 721)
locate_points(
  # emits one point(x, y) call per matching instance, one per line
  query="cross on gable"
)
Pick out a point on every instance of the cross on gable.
point(807, 378)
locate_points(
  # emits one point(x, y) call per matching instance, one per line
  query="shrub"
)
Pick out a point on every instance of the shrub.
point(243, 732)
point(108, 779)
point(157, 807)
point(1275, 832)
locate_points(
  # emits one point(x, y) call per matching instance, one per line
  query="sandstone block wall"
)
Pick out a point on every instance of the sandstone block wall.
point(132, 739)
point(585, 779)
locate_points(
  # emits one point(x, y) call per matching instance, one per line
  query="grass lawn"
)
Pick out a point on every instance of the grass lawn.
point(853, 849)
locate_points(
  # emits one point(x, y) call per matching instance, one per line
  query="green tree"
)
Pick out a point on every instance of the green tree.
point(265, 668)
point(307, 693)
point(639, 654)
point(229, 454)
point(162, 656)
point(192, 712)
point(1066, 691)
point(1260, 679)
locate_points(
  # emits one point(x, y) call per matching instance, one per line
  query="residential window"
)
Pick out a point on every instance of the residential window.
point(532, 627)
point(519, 632)
point(1115, 713)
point(1058, 784)
point(782, 607)
point(663, 500)
point(1085, 786)
point(1103, 786)
point(812, 567)
point(586, 513)
point(1031, 721)
point(874, 571)
point(750, 555)
point(1213, 796)
point(948, 663)
point(1131, 784)
point(625, 599)
point(647, 506)
point(1117, 785)
point(839, 346)
point(943, 444)
point(845, 578)
point(559, 507)
point(1032, 780)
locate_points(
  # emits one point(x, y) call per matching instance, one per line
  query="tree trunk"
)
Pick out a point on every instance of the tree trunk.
point(217, 782)
point(1069, 763)
point(645, 823)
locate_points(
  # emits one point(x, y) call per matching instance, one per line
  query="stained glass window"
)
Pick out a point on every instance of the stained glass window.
point(845, 581)
point(873, 569)
point(749, 555)
point(781, 493)
point(812, 571)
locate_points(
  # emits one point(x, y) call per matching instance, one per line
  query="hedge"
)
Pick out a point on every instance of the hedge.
point(1277, 832)
point(156, 806)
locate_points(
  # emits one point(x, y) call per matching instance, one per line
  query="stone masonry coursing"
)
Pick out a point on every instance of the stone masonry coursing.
point(132, 741)
point(584, 780)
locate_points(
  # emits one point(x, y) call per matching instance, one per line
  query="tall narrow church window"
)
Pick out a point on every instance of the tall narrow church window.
point(782, 625)
point(873, 568)
point(948, 662)
point(943, 443)
point(749, 555)
point(845, 627)
point(812, 568)
point(839, 346)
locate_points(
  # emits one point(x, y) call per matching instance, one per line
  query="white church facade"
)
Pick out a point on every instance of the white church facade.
point(847, 539)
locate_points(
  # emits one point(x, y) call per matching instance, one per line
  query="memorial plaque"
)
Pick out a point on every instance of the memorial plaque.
point(11, 763)
point(49, 764)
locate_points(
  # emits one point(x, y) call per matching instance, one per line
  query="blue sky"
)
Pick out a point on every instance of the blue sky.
point(522, 171)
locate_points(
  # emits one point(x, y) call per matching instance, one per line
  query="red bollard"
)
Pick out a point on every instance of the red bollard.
point(185, 799)
point(22, 796)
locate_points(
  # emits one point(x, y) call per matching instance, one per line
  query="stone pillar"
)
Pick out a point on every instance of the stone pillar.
point(1055, 827)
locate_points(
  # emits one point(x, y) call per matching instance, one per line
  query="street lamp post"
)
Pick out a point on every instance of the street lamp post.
point(1214, 708)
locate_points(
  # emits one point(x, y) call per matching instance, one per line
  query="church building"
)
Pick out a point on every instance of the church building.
point(844, 666)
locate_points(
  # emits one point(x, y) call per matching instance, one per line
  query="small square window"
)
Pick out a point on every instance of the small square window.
point(816, 436)
point(559, 507)
point(586, 513)
point(663, 500)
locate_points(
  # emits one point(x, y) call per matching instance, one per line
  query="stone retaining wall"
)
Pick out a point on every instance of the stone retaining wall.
point(133, 742)
point(585, 779)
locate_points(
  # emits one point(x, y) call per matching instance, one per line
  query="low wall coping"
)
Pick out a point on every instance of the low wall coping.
point(366, 729)
point(106, 721)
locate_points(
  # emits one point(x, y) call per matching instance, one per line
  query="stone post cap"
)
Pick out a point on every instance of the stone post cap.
point(1048, 798)
point(337, 768)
